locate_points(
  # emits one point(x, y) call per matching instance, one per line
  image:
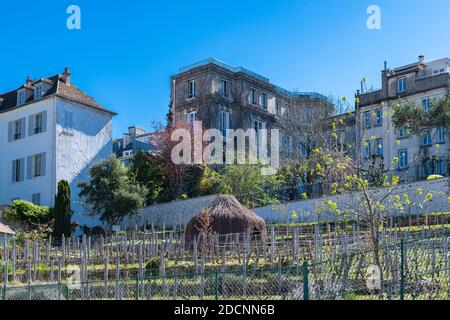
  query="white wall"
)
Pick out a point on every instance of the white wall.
point(88, 142)
point(22, 148)
point(69, 155)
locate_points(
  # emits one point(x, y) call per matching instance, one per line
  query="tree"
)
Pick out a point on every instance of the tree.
point(112, 193)
point(248, 185)
point(192, 179)
point(148, 170)
point(63, 211)
point(415, 119)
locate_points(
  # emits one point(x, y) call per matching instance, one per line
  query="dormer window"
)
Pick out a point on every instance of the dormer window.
point(20, 97)
point(38, 93)
point(402, 87)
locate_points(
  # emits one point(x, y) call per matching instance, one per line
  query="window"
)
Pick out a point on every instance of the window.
point(38, 92)
point(402, 85)
point(402, 132)
point(17, 129)
point(191, 116)
point(68, 121)
point(224, 122)
point(303, 151)
point(36, 199)
point(287, 143)
point(38, 123)
point(367, 149)
point(192, 91)
point(37, 165)
point(259, 127)
point(224, 88)
point(253, 96)
point(278, 109)
point(442, 168)
point(263, 100)
point(18, 170)
point(426, 104)
point(379, 117)
point(20, 97)
point(403, 158)
point(441, 135)
point(426, 139)
point(379, 148)
point(367, 120)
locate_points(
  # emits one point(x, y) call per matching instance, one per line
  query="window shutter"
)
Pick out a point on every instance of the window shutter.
point(43, 162)
point(13, 177)
point(30, 167)
point(44, 121)
point(10, 131)
point(31, 125)
point(22, 169)
point(22, 127)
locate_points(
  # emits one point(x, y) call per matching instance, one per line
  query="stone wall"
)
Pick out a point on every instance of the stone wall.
point(180, 212)
point(282, 213)
point(171, 214)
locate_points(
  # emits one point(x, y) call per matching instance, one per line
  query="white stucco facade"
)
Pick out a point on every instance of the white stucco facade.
point(75, 137)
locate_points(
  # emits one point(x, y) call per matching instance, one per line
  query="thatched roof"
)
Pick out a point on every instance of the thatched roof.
point(4, 229)
point(228, 216)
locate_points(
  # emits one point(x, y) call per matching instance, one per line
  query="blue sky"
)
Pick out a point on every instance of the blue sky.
point(126, 51)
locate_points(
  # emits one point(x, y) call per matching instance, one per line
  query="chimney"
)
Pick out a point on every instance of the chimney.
point(421, 59)
point(385, 65)
point(67, 76)
point(28, 81)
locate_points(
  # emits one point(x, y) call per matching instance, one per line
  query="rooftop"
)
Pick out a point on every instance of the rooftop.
point(293, 94)
point(59, 85)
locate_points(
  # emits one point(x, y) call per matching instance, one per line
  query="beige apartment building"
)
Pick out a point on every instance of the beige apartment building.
point(377, 138)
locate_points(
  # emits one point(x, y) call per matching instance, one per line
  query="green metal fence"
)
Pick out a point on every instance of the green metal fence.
point(407, 270)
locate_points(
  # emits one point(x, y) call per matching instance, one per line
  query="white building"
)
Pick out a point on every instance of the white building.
point(49, 131)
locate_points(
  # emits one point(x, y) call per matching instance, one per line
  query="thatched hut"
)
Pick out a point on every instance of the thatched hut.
point(227, 216)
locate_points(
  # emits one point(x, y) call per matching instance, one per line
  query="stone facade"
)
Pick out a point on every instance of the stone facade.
point(225, 97)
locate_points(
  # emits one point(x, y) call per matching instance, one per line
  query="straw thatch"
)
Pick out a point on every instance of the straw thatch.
point(228, 216)
point(4, 229)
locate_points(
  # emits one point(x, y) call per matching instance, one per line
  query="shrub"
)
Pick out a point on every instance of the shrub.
point(152, 266)
point(28, 213)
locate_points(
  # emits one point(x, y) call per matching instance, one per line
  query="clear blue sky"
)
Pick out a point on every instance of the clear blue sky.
point(126, 50)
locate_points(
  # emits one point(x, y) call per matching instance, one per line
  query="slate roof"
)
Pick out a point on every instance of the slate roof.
point(58, 87)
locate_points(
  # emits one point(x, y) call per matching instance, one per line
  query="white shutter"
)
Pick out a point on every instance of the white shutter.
point(22, 128)
point(30, 167)
point(43, 163)
point(44, 121)
point(31, 122)
point(10, 131)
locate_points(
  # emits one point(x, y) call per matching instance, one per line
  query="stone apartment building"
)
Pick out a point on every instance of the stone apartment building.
point(225, 97)
point(49, 131)
point(419, 156)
